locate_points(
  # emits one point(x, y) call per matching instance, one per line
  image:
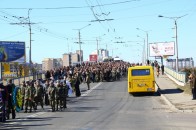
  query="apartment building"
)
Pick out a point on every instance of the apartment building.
point(51, 63)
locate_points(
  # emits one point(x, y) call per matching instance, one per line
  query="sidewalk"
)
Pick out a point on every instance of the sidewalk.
point(174, 97)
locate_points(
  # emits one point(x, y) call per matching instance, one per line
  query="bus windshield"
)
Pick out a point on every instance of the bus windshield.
point(140, 72)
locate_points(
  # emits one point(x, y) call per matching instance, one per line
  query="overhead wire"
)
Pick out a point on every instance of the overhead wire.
point(76, 7)
point(93, 9)
point(92, 6)
point(10, 18)
point(108, 22)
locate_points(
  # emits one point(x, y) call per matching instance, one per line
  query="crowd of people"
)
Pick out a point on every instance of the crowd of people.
point(58, 84)
point(159, 69)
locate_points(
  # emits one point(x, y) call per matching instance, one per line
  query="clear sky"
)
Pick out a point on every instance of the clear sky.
point(55, 25)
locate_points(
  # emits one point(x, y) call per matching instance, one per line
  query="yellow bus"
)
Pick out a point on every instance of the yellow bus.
point(141, 79)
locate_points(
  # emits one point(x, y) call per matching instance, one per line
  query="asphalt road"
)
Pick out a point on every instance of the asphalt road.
point(107, 106)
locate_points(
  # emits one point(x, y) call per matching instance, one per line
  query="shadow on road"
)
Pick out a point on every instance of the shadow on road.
point(22, 123)
point(171, 91)
point(145, 94)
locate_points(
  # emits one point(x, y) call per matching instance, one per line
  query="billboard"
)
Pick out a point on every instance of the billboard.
point(162, 48)
point(93, 57)
point(12, 51)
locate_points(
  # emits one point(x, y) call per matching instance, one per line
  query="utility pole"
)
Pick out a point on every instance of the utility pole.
point(147, 45)
point(79, 42)
point(97, 39)
point(176, 35)
point(29, 23)
point(97, 49)
point(144, 56)
point(80, 46)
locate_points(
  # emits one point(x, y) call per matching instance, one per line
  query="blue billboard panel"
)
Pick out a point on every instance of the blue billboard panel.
point(11, 51)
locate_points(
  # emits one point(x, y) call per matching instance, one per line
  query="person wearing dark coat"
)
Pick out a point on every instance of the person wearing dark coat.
point(77, 85)
point(192, 80)
point(10, 107)
point(3, 101)
point(162, 69)
point(47, 84)
point(47, 75)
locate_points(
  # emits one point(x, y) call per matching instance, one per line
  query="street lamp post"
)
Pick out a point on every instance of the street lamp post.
point(147, 45)
point(29, 23)
point(176, 36)
point(142, 45)
point(79, 42)
point(97, 39)
point(144, 56)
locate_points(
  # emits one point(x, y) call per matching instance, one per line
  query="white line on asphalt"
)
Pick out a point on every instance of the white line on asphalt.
point(36, 114)
point(87, 92)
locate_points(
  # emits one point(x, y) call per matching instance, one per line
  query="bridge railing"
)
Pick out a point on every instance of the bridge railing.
point(179, 77)
point(18, 81)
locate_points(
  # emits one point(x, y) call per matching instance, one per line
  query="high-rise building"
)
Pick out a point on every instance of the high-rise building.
point(70, 59)
point(104, 53)
point(66, 59)
point(78, 52)
point(47, 64)
point(75, 57)
point(51, 63)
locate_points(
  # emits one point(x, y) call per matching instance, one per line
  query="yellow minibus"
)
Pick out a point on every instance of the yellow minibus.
point(141, 79)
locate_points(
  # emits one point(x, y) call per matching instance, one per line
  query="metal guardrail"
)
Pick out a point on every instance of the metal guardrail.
point(179, 76)
point(18, 81)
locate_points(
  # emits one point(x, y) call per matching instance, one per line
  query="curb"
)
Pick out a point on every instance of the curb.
point(172, 106)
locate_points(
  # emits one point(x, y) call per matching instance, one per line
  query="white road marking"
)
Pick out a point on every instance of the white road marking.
point(36, 114)
point(89, 91)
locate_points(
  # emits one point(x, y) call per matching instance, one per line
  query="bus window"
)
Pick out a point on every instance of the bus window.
point(140, 72)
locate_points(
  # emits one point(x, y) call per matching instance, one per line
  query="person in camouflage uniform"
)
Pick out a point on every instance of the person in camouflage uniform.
point(96, 76)
point(39, 94)
point(113, 73)
point(52, 95)
point(33, 91)
point(23, 93)
point(101, 75)
point(118, 73)
point(27, 97)
point(60, 94)
point(88, 79)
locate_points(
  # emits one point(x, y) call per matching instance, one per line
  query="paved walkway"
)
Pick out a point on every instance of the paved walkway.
point(175, 97)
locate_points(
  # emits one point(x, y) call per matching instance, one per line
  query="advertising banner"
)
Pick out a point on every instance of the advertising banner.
point(162, 48)
point(93, 57)
point(12, 51)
